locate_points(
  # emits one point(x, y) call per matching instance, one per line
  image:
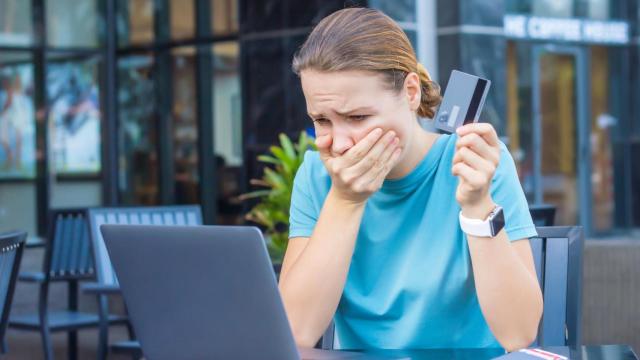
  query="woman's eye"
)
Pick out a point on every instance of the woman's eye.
point(321, 121)
point(358, 117)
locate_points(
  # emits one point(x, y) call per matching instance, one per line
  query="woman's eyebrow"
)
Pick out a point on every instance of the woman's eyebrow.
point(343, 113)
point(315, 115)
point(358, 109)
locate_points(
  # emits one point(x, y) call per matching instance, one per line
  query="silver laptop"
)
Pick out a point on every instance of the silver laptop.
point(203, 292)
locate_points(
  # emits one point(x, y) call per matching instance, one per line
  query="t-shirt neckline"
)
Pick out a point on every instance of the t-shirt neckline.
point(424, 167)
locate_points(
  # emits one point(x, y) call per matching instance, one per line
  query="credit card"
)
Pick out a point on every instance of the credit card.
point(462, 102)
point(532, 354)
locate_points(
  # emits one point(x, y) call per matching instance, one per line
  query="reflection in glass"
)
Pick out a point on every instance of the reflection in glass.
point(479, 54)
point(559, 135)
point(635, 184)
point(15, 22)
point(553, 8)
point(481, 12)
point(182, 19)
point(227, 130)
point(265, 93)
point(224, 16)
point(227, 115)
point(602, 130)
point(72, 23)
point(17, 121)
point(134, 22)
point(592, 9)
point(74, 116)
point(559, 132)
point(399, 10)
point(137, 138)
point(635, 141)
point(413, 38)
point(185, 126)
point(519, 123)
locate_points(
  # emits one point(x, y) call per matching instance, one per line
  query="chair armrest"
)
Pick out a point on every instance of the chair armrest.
point(35, 242)
point(100, 289)
point(31, 276)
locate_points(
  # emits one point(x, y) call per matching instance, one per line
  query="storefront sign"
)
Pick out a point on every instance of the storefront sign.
point(566, 29)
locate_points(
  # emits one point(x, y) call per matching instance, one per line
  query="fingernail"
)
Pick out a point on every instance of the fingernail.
point(378, 131)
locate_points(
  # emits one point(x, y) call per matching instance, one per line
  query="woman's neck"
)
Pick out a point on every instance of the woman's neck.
point(417, 148)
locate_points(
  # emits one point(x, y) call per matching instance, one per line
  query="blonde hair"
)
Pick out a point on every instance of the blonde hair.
point(366, 39)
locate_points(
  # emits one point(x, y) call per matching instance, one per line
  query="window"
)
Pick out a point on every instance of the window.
point(227, 121)
point(185, 126)
point(137, 137)
point(74, 115)
point(15, 22)
point(182, 19)
point(224, 16)
point(72, 23)
point(134, 22)
point(17, 116)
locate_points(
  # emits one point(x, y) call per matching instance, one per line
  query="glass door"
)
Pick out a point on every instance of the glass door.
point(561, 130)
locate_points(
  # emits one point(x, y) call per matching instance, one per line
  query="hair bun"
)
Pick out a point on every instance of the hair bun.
point(430, 93)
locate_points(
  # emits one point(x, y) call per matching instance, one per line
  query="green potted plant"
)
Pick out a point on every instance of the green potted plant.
point(272, 209)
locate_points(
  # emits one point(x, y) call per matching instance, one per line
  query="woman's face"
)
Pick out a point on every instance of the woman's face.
point(349, 104)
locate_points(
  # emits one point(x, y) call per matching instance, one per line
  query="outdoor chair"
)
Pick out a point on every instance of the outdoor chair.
point(11, 248)
point(107, 282)
point(67, 260)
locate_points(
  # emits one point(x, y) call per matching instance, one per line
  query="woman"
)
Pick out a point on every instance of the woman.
point(375, 237)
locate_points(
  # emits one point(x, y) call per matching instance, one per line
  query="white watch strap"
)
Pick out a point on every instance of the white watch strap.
point(475, 227)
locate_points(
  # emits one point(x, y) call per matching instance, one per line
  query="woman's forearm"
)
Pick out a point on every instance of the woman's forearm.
point(312, 286)
point(509, 294)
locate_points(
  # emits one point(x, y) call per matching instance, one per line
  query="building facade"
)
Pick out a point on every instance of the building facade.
point(564, 98)
point(142, 102)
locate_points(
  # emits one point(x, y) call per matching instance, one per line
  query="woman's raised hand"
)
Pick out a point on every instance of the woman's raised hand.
point(361, 170)
point(475, 162)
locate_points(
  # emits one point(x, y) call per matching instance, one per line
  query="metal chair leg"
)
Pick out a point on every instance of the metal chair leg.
point(103, 331)
point(47, 345)
point(132, 333)
point(72, 336)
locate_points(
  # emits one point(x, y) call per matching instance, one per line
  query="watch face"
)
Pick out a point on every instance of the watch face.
point(497, 223)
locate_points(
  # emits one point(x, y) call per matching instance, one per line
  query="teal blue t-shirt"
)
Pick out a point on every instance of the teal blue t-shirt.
point(410, 284)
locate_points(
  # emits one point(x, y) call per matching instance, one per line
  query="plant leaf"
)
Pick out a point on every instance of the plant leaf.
point(269, 159)
point(272, 211)
point(287, 146)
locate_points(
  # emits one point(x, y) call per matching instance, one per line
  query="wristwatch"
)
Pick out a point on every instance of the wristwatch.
point(484, 228)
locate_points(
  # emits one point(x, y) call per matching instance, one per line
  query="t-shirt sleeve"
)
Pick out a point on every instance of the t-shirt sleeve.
point(507, 192)
point(302, 213)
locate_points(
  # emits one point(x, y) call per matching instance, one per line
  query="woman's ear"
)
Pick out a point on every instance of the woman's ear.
point(413, 90)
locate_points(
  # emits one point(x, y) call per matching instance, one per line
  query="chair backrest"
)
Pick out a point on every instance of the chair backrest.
point(543, 214)
point(11, 247)
point(68, 253)
point(557, 254)
point(188, 215)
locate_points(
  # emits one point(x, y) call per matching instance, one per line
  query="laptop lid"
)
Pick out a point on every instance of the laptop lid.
point(200, 292)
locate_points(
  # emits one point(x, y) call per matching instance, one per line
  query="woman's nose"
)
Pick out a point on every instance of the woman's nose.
point(341, 143)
